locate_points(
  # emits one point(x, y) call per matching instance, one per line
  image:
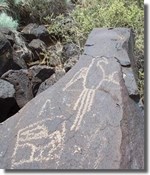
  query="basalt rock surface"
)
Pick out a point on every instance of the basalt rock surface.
point(8, 105)
point(86, 120)
point(27, 81)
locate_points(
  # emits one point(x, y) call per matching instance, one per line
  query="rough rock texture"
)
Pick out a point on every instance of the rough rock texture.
point(13, 51)
point(6, 89)
point(21, 51)
point(5, 45)
point(22, 84)
point(70, 63)
point(130, 82)
point(39, 74)
point(85, 121)
point(37, 46)
point(70, 50)
point(8, 104)
point(118, 44)
point(52, 80)
point(5, 52)
point(7, 64)
point(114, 43)
point(8, 34)
point(34, 31)
point(27, 82)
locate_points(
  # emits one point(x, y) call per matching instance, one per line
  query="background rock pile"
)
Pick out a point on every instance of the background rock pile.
point(29, 63)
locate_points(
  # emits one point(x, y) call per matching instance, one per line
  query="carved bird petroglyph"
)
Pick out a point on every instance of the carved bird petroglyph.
point(93, 76)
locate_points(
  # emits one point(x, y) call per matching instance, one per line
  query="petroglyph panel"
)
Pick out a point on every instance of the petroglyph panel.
point(85, 100)
point(38, 143)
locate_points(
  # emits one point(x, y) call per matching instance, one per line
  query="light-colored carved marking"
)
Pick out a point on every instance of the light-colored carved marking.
point(100, 153)
point(77, 149)
point(99, 159)
point(84, 103)
point(78, 100)
point(47, 105)
point(76, 77)
point(80, 113)
point(31, 137)
point(90, 99)
point(121, 37)
point(90, 141)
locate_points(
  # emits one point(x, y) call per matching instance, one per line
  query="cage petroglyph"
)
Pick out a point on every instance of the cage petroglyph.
point(40, 143)
point(85, 100)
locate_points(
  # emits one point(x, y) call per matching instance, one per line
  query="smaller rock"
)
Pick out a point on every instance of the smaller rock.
point(52, 80)
point(21, 49)
point(6, 61)
point(5, 45)
point(8, 105)
point(8, 34)
point(53, 56)
point(38, 75)
point(22, 52)
point(19, 61)
point(70, 50)
point(130, 81)
point(35, 31)
point(37, 46)
point(70, 63)
point(6, 65)
point(6, 89)
point(22, 84)
point(27, 82)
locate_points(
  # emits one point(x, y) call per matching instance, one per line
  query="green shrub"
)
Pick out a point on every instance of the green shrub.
point(27, 11)
point(2, 1)
point(39, 9)
point(10, 8)
point(7, 21)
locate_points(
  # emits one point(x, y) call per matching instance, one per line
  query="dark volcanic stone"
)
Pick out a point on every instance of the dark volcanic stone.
point(51, 81)
point(39, 74)
point(70, 63)
point(5, 45)
point(70, 50)
point(22, 84)
point(116, 42)
point(8, 34)
point(130, 81)
point(84, 121)
point(12, 58)
point(6, 89)
point(27, 82)
point(8, 105)
point(37, 46)
point(34, 31)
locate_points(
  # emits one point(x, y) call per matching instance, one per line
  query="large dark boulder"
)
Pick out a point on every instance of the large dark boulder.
point(8, 105)
point(5, 53)
point(114, 42)
point(13, 51)
point(8, 34)
point(5, 45)
point(51, 80)
point(35, 31)
point(22, 85)
point(39, 74)
point(37, 47)
point(27, 82)
point(86, 120)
